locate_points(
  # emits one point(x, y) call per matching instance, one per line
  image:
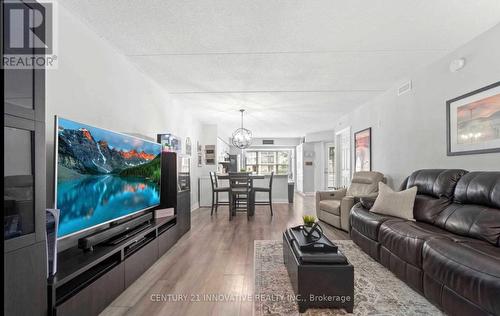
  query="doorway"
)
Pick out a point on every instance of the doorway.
point(342, 158)
point(330, 166)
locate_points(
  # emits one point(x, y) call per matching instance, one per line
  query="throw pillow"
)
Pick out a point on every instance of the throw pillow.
point(398, 204)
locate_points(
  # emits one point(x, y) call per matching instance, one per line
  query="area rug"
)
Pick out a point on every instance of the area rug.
point(376, 290)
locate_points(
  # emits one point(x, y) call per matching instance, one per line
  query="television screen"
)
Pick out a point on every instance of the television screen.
point(102, 176)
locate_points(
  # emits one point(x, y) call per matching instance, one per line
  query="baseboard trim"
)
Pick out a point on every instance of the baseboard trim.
point(276, 201)
point(306, 193)
point(195, 206)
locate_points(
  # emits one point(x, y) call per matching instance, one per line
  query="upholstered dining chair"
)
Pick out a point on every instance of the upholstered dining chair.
point(268, 190)
point(333, 207)
point(215, 192)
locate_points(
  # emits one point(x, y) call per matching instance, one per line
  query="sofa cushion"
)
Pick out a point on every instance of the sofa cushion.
point(427, 208)
point(330, 206)
point(368, 223)
point(434, 182)
point(480, 188)
point(469, 268)
point(476, 209)
point(406, 239)
point(435, 188)
point(473, 221)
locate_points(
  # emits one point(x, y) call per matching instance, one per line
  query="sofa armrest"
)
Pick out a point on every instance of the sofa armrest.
point(367, 202)
point(328, 195)
point(331, 195)
point(345, 209)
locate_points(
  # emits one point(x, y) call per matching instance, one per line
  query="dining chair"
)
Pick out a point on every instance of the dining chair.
point(269, 190)
point(215, 192)
point(240, 191)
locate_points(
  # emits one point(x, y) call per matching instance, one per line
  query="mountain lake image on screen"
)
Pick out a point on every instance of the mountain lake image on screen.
point(102, 176)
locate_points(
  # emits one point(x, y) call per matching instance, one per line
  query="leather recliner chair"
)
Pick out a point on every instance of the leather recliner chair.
point(451, 252)
point(333, 207)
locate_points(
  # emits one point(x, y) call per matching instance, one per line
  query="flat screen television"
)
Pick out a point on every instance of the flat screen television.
point(102, 176)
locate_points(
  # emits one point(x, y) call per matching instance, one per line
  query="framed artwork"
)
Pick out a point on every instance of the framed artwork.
point(171, 143)
point(210, 154)
point(199, 152)
point(473, 122)
point(363, 150)
point(189, 148)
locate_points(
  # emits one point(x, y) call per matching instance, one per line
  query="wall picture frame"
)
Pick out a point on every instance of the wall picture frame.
point(199, 153)
point(473, 122)
point(363, 150)
point(171, 143)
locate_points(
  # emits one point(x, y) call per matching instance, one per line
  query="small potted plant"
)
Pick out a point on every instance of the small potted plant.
point(309, 221)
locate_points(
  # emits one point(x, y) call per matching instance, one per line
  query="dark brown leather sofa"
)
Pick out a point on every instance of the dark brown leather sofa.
point(451, 253)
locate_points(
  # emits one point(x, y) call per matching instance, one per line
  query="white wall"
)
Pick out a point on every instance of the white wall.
point(409, 132)
point(95, 84)
point(319, 141)
point(322, 136)
point(278, 142)
point(319, 166)
point(305, 173)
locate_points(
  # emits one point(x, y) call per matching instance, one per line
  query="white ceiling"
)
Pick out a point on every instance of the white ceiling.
point(295, 65)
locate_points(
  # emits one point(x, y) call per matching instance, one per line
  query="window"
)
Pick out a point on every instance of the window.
point(265, 162)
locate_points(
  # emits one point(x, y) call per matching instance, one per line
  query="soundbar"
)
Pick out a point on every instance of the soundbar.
point(88, 243)
point(129, 233)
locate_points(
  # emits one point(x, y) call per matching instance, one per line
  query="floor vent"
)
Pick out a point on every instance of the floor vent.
point(404, 88)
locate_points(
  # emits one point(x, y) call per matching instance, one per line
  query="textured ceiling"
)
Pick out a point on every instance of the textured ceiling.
point(295, 66)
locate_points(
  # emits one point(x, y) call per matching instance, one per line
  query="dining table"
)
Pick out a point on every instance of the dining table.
point(225, 176)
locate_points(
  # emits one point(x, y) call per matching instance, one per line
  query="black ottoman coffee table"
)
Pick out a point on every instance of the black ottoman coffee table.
point(323, 279)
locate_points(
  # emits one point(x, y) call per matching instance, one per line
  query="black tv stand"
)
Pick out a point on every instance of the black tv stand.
point(86, 282)
point(89, 242)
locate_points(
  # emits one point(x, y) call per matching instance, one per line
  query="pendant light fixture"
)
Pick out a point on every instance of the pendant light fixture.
point(242, 137)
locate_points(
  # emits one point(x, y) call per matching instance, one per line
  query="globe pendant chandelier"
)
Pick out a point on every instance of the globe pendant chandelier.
point(242, 137)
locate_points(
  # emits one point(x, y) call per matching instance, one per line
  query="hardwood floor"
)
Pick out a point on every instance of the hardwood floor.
point(214, 258)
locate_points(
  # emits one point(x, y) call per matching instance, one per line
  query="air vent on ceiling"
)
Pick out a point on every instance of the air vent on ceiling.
point(404, 88)
point(268, 142)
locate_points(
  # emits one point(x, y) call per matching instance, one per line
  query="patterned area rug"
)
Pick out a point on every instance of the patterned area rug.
point(376, 290)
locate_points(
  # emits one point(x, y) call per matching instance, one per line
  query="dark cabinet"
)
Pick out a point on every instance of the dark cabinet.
point(24, 182)
point(166, 239)
point(87, 282)
point(96, 297)
point(171, 193)
point(25, 282)
point(19, 183)
point(19, 88)
point(140, 261)
point(25, 254)
point(168, 189)
point(183, 212)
